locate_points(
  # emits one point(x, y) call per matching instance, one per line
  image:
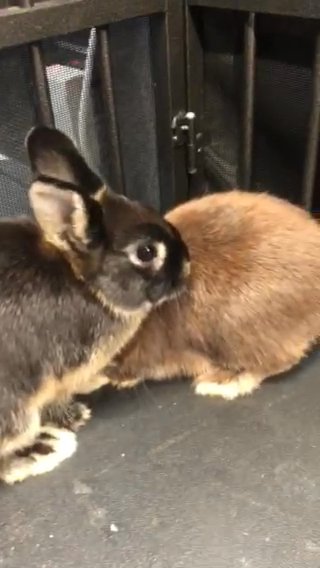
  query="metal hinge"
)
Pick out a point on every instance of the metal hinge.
point(184, 134)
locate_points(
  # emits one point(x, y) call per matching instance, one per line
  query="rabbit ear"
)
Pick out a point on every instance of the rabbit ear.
point(61, 213)
point(53, 155)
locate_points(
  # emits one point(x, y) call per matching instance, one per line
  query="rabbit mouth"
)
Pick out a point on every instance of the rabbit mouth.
point(173, 294)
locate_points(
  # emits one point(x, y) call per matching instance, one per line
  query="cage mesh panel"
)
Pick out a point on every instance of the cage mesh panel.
point(222, 57)
point(75, 91)
point(16, 118)
point(282, 102)
point(68, 62)
point(131, 65)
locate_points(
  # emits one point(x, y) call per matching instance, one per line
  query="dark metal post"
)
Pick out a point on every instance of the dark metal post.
point(195, 93)
point(310, 165)
point(178, 88)
point(113, 145)
point(41, 88)
point(61, 17)
point(248, 102)
point(44, 110)
point(160, 76)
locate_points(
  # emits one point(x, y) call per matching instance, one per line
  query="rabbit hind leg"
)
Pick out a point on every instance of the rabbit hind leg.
point(71, 415)
point(225, 384)
point(230, 385)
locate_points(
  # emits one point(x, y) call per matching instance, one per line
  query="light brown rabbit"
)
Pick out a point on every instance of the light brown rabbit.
point(252, 308)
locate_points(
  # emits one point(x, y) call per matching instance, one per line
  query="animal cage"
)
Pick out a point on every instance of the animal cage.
point(167, 99)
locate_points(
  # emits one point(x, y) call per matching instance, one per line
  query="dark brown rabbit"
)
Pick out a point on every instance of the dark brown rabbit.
point(74, 287)
point(252, 309)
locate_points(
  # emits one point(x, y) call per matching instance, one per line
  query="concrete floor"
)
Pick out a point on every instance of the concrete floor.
point(187, 482)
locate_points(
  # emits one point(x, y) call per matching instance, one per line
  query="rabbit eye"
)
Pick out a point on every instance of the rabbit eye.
point(146, 253)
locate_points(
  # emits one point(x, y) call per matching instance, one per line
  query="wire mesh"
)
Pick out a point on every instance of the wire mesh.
point(58, 76)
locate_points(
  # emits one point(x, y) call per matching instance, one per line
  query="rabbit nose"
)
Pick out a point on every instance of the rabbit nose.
point(157, 292)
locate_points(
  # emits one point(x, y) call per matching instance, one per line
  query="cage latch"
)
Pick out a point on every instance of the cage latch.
point(184, 134)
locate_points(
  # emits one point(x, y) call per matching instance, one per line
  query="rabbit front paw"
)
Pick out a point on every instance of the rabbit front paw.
point(72, 415)
point(51, 447)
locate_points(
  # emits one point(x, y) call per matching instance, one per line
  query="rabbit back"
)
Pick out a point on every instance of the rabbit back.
point(254, 292)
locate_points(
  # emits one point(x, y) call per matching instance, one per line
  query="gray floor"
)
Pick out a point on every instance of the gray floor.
point(188, 482)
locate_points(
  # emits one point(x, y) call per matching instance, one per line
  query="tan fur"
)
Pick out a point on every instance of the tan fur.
point(51, 219)
point(101, 195)
point(253, 299)
point(79, 221)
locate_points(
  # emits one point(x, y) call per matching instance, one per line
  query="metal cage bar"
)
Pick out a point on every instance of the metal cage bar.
point(41, 93)
point(61, 17)
point(178, 84)
point(248, 101)
point(195, 91)
point(313, 133)
point(116, 177)
point(160, 77)
point(44, 112)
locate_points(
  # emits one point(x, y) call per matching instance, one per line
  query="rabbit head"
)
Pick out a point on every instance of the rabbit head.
point(131, 257)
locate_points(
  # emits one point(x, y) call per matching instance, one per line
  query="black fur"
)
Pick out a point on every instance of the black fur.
point(49, 320)
point(69, 289)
